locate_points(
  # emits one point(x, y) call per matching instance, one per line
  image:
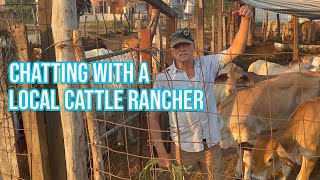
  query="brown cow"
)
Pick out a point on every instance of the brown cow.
point(297, 141)
point(247, 112)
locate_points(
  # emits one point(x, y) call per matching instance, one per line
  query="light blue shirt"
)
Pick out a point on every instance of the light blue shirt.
point(195, 126)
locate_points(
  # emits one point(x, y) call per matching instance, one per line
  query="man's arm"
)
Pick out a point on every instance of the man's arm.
point(240, 41)
point(155, 132)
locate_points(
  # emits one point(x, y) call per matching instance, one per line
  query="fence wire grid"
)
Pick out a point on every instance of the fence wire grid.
point(125, 137)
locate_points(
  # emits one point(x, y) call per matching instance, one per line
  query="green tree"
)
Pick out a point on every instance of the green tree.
point(21, 9)
point(211, 8)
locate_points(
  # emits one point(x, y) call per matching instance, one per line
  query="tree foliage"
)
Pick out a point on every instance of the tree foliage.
point(211, 8)
point(21, 9)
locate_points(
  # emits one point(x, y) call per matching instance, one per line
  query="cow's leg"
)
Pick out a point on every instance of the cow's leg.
point(132, 139)
point(306, 167)
point(267, 35)
point(239, 167)
point(309, 36)
point(247, 161)
point(286, 171)
point(102, 129)
point(120, 138)
point(283, 34)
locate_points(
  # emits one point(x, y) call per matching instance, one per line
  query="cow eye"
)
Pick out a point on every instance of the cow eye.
point(243, 77)
point(270, 160)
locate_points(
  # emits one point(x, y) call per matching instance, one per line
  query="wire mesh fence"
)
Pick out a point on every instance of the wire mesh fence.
point(125, 138)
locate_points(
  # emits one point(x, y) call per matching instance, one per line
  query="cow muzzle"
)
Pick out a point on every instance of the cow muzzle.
point(254, 176)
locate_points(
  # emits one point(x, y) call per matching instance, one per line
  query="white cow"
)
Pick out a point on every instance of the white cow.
point(116, 117)
point(263, 67)
point(310, 61)
point(250, 111)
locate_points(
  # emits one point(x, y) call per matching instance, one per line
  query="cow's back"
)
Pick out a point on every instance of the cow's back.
point(252, 108)
point(262, 67)
point(305, 124)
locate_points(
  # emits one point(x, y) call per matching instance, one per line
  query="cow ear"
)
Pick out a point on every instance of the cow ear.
point(249, 81)
point(221, 78)
point(288, 162)
point(246, 146)
point(284, 156)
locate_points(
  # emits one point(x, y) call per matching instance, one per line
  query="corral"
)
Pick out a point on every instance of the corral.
point(117, 145)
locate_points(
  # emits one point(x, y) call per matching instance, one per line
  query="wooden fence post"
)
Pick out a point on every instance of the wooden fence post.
point(63, 23)
point(158, 66)
point(295, 38)
point(34, 123)
point(145, 56)
point(98, 164)
point(9, 159)
point(105, 24)
point(278, 27)
point(224, 36)
point(171, 28)
point(213, 34)
point(53, 120)
point(200, 27)
point(231, 30)
point(220, 26)
point(251, 30)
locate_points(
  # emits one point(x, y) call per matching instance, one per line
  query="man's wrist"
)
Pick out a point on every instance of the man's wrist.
point(245, 18)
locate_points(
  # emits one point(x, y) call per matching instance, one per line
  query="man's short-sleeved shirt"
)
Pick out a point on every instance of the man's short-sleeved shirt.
point(195, 126)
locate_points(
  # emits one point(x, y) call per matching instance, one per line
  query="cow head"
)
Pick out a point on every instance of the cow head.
point(234, 78)
point(268, 155)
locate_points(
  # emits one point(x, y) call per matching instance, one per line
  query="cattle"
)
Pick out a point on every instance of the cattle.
point(228, 79)
point(309, 61)
point(251, 111)
point(272, 30)
point(309, 32)
point(115, 117)
point(296, 142)
point(287, 31)
point(233, 77)
point(263, 67)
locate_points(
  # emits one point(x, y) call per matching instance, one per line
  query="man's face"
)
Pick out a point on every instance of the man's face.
point(183, 52)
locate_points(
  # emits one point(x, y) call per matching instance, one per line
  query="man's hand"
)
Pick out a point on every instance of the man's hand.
point(164, 160)
point(244, 11)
